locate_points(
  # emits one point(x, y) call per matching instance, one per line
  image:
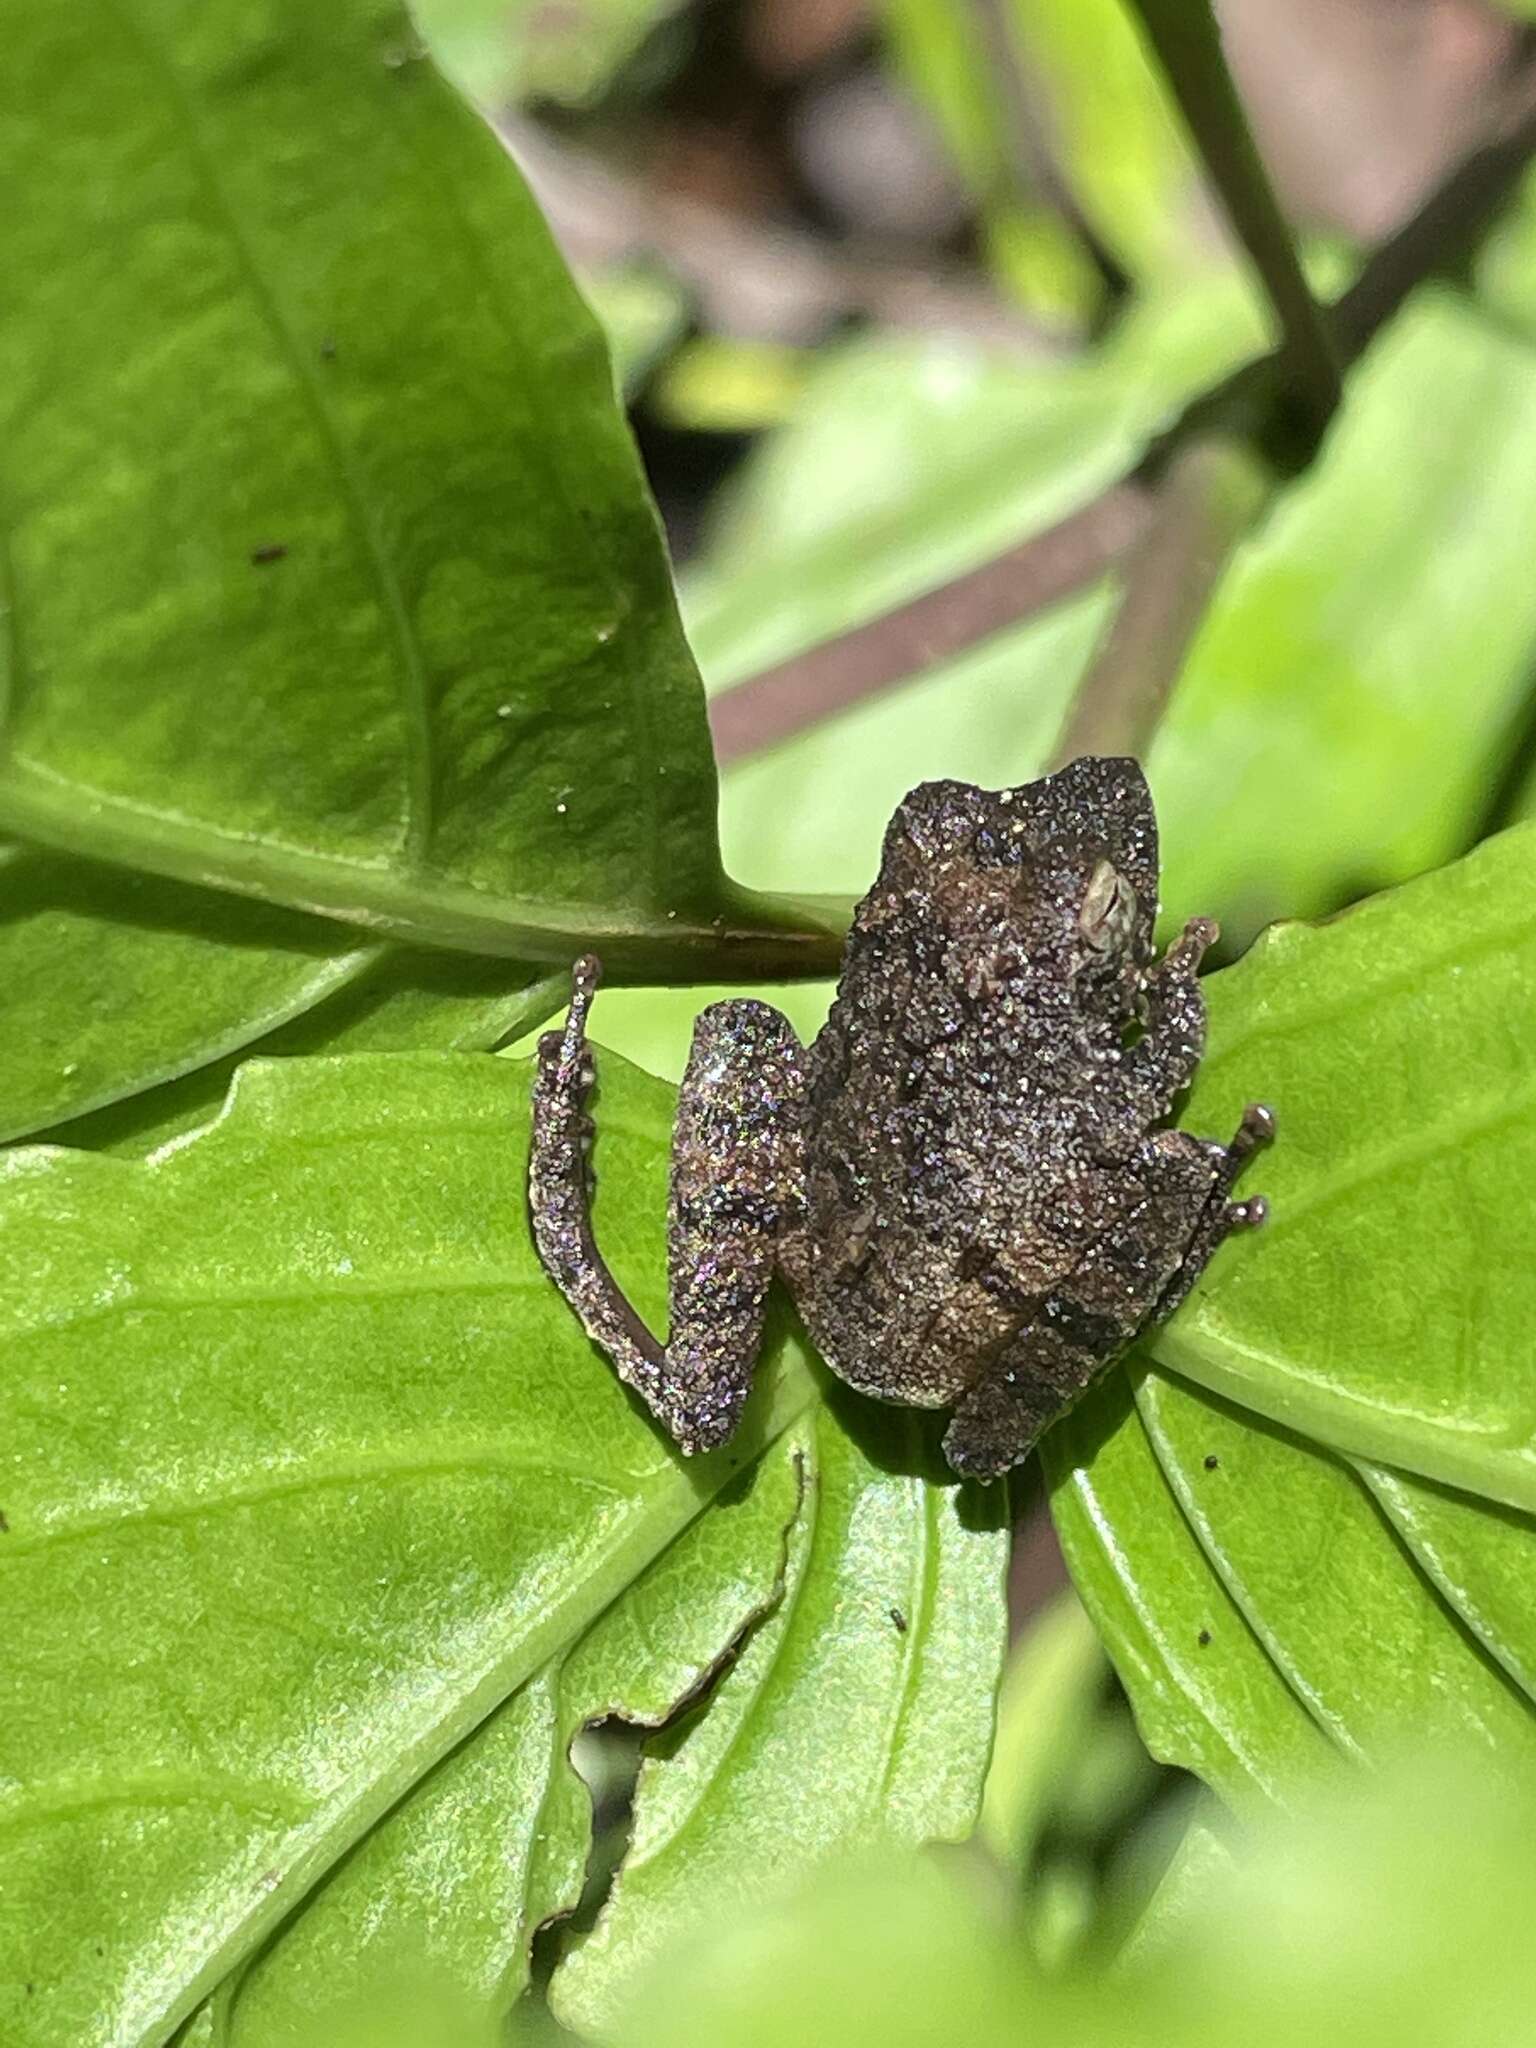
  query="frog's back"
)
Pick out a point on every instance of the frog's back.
point(946, 1111)
point(919, 1168)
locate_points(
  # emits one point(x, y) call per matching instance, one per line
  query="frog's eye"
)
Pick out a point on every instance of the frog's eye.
point(1108, 914)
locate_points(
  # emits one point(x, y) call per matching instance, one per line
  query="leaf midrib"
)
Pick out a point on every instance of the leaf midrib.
point(52, 810)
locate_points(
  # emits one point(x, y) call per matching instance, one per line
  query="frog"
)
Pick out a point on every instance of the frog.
point(968, 1180)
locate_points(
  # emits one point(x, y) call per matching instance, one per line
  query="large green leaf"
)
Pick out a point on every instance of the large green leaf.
point(860, 1712)
point(311, 1487)
point(115, 982)
point(1353, 692)
point(451, 1886)
point(292, 216)
point(401, 1002)
point(381, 625)
point(1318, 1511)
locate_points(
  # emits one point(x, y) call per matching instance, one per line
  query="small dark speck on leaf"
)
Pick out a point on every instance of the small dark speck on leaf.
point(5, 1527)
point(898, 1621)
point(1204, 1637)
point(1211, 1461)
point(328, 349)
point(269, 551)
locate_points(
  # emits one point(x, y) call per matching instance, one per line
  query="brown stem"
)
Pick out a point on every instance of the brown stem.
point(1209, 496)
point(826, 679)
point(1186, 42)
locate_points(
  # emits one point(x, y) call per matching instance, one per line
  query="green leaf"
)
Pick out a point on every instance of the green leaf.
point(403, 1001)
point(1216, 1707)
point(396, 383)
point(1056, 1676)
point(861, 1711)
point(1413, 1668)
point(1339, 1422)
point(1068, 1782)
point(117, 982)
point(900, 1951)
point(1116, 136)
point(453, 1883)
point(947, 61)
point(911, 459)
point(311, 1485)
point(1354, 689)
point(293, 216)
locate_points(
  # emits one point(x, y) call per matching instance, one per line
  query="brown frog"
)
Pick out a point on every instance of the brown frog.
point(961, 1179)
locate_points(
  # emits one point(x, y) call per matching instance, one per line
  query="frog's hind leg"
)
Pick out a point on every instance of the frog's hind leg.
point(737, 1192)
point(1014, 1401)
point(1136, 1273)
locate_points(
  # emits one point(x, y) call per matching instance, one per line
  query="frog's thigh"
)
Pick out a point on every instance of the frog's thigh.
point(737, 1192)
point(1093, 1311)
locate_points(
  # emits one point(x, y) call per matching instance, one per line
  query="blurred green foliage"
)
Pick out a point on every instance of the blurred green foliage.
point(1391, 1911)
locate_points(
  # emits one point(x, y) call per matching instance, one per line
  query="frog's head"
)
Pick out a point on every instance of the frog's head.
point(1095, 852)
point(1068, 865)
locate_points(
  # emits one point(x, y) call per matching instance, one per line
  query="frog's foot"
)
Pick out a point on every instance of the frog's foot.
point(567, 1071)
point(1221, 1216)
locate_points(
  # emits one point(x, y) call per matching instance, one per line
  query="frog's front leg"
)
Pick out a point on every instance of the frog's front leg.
point(1162, 1062)
point(737, 1192)
point(1219, 1216)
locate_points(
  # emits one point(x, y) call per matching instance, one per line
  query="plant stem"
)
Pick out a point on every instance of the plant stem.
point(1041, 571)
point(1186, 41)
point(752, 937)
point(1210, 495)
point(1440, 239)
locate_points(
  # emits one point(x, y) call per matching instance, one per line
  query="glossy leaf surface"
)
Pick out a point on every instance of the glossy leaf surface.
point(435, 504)
point(384, 628)
point(312, 1484)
